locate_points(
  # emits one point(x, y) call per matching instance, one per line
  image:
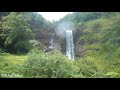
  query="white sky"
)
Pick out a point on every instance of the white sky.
point(53, 15)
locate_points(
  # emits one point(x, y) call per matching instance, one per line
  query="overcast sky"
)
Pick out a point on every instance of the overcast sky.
point(53, 15)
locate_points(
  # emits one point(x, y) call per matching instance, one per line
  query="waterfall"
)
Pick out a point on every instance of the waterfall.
point(52, 42)
point(69, 45)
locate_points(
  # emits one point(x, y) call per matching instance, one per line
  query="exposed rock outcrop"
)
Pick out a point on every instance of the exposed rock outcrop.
point(59, 43)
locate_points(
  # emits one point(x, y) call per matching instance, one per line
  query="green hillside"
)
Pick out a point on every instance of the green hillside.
point(24, 35)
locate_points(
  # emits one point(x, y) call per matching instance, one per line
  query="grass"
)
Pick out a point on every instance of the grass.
point(11, 58)
point(9, 63)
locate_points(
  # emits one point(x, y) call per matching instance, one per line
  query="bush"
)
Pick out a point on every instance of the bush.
point(1, 51)
point(56, 65)
point(47, 65)
point(23, 47)
point(86, 68)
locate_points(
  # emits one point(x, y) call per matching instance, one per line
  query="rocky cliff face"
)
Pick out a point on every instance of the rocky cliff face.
point(59, 42)
point(45, 36)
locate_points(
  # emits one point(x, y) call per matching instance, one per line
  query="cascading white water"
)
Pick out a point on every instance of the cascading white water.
point(69, 45)
point(52, 42)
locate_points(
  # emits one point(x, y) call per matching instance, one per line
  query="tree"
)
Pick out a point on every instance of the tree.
point(1, 40)
point(37, 22)
point(16, 32)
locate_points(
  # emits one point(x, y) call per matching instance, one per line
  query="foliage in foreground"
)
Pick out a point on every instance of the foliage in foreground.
point(56, 65)
point(47, 65)
point(51, 65)
point(10, 64)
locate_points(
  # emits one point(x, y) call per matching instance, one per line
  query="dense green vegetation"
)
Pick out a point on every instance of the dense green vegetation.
point(21, 52)
point(10, 64)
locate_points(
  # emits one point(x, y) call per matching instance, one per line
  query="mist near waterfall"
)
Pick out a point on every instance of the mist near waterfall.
point(62, 27)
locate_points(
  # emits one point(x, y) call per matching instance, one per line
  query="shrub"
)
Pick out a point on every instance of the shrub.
point(86, 68)
point(56, 65)
point(23, 47)
point(47, 65)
